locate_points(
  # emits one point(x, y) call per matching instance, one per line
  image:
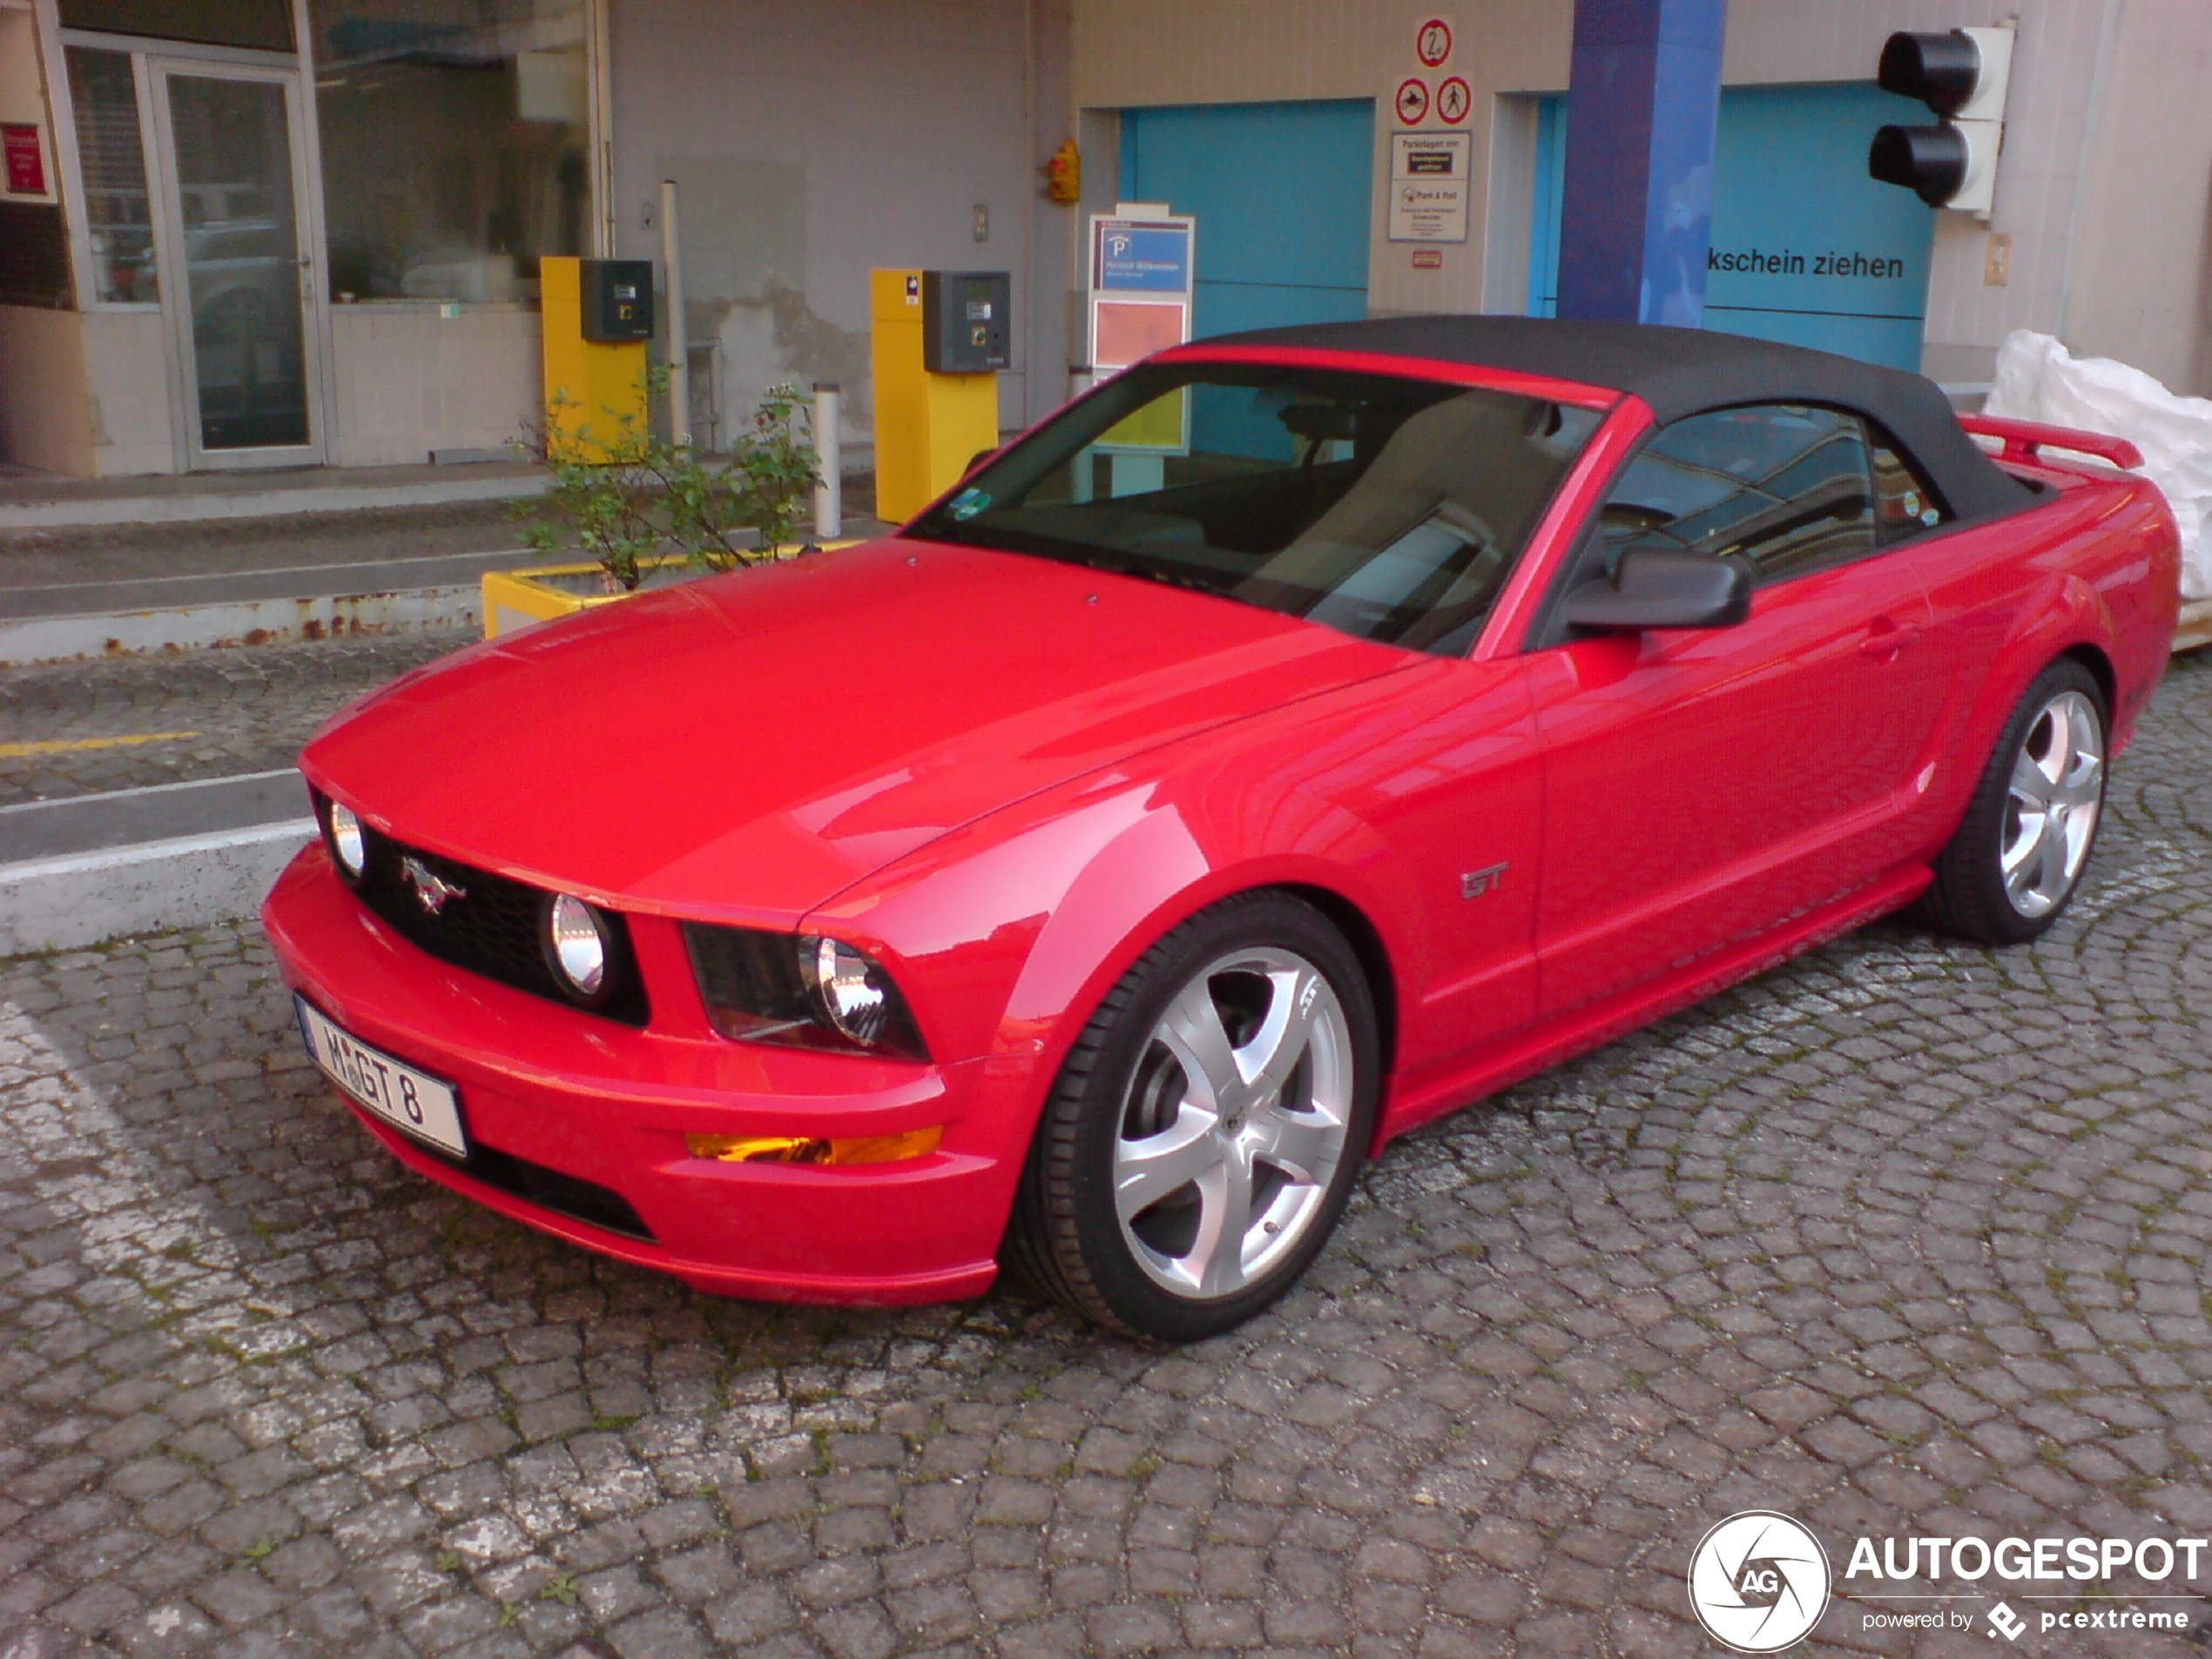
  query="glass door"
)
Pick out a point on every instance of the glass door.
point(241, 292)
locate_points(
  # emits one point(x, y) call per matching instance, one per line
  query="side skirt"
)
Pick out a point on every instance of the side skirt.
point(1548, 1043)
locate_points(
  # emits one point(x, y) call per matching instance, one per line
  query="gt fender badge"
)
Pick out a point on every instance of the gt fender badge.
point(1475, 883)
point(433, 889)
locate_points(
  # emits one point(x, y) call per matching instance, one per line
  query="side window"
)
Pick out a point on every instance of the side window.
point(1784, 487)
point(1904, 505)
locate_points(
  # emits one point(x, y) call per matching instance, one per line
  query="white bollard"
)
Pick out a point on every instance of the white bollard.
point(829, 487)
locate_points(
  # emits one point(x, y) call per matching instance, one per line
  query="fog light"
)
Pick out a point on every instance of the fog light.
point(347, 845)
point(802, 1149)
point(576, 944)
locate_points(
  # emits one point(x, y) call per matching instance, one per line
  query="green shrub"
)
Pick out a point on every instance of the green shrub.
point(621, 500)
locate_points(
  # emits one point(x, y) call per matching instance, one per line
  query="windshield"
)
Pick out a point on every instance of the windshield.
point(1390, 509)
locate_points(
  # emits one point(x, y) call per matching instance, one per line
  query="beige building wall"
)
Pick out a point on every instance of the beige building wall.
point(44, 419)
point(810, 143)
point(2141, 286)
point(127, 379)
point(1129, 53)
point(85, 393)
point(407, 379)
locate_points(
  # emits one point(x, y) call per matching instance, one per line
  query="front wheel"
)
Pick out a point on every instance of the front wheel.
point(2019, 854)
point(1203, 1134)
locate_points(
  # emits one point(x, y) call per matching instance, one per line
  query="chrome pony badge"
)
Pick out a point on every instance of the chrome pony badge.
point(433, 889)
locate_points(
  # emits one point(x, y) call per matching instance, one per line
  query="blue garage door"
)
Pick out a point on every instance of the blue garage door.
point(1806, 247)
point(1280, 194)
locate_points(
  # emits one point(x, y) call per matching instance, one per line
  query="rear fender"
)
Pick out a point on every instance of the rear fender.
point(2066, 615)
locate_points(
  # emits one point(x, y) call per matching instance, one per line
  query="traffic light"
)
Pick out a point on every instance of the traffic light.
point(1960, 76)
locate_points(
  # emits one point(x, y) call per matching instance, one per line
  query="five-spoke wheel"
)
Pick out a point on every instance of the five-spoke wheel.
point(1206, 1127)
point(2019, 854)
point(2056, 793)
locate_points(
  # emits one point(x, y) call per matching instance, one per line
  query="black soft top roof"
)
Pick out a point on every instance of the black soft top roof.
point(1683, 371)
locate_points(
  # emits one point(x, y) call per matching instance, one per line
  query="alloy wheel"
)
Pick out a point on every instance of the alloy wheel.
point(2056, 793)
point(1234, 1122)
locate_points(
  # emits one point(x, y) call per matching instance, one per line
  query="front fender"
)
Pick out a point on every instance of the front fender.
point(1019, 926)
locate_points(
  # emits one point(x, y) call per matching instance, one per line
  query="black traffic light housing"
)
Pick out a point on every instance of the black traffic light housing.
point(1938, 69)
point(1932, 162)
point(1960, 75)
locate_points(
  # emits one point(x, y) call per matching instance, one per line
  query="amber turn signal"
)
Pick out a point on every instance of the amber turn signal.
point(800, 1149)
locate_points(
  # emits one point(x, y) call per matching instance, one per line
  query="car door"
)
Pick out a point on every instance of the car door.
point(1702, 786)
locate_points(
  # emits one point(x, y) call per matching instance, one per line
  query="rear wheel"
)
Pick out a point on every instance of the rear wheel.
point(1204, 1132)
point(2020, 853)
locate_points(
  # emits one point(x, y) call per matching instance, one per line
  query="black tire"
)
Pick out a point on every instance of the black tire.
point(1066, 1239)
point(1970, 897)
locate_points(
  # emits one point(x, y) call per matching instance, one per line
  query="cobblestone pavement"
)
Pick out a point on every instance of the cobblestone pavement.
point(1905, 1237)
point(250, 709)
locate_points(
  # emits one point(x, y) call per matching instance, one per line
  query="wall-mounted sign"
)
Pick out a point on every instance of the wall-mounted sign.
point(1131, 258)
point(1428, 259)
point(1428, 187)
point(1433, 41)
point(1454, 100)
point(1412, 103)
point(1142, 275)
point(26, 159)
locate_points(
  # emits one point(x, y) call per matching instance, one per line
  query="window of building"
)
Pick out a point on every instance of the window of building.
point(263, 24)
point(112, 156)
point(1781, 486)
point(454, 144)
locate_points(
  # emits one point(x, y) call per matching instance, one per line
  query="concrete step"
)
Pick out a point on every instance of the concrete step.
point(66, 622)
point(49, 503)
point(77, 871)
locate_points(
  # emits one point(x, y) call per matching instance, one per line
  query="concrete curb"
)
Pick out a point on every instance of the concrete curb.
point(193, 880)
point(244, 621)
point(196, 506)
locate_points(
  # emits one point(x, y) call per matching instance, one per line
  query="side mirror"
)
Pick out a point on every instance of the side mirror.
point(1655, 588)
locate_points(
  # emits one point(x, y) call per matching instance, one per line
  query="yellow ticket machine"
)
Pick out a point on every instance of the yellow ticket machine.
point(937, 341)
point(597, 316)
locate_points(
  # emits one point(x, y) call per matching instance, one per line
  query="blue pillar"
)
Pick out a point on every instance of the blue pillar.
point(1636, 217)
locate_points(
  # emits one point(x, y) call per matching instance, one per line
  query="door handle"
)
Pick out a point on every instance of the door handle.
point(1886, 639)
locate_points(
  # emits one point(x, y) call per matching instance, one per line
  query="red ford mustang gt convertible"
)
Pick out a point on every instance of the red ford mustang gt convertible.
point(1301, 736)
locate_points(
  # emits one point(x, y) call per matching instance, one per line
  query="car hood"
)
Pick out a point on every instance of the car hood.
point(744, 746)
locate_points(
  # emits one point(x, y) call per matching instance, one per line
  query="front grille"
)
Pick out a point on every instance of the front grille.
point(568, 1195)
point(490, 925)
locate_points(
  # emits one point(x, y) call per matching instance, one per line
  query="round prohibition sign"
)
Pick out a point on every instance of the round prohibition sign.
point(1453, 99)
point(1413, 101)
point(1433, 43)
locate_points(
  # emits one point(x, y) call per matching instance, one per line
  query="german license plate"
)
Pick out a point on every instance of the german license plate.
point(410, 1100)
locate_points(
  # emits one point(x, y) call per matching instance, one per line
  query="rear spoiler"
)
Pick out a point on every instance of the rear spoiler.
point(2025, 440)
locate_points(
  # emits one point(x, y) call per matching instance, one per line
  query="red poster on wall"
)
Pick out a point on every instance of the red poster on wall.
point(26, 159)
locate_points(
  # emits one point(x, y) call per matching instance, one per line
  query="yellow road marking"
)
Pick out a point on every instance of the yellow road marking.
point(70, 746)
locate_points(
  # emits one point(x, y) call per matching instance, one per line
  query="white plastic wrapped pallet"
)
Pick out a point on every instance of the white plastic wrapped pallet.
point(2038, 378)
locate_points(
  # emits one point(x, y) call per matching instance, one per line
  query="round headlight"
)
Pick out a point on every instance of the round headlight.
point(347, 845)
point(850, 988)
point(576, 944)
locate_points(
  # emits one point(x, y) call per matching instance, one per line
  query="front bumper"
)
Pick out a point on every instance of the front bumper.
point(574, 1103)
